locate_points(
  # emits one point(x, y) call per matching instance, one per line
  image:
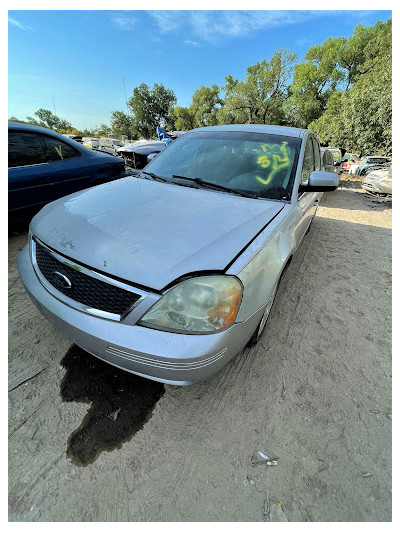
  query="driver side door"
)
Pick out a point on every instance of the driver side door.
point(308, 201)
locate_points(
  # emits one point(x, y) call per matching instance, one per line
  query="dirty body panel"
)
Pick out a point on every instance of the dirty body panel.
point(159, 235)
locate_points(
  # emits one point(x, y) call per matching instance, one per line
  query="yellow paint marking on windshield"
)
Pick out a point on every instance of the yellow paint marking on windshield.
point(279, 160)
point(58, 150)
point(264, 161)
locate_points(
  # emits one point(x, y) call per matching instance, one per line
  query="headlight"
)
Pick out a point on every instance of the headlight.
point(385, 183)
point(198, 305)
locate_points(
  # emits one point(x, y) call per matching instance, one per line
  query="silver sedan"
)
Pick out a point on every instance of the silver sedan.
point(172, 273)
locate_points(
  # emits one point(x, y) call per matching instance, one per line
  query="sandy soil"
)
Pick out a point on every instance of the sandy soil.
point(315, 392)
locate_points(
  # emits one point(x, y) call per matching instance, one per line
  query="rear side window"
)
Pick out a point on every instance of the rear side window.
point(377, 160)
point(327, 158)
point(308, 162)
point(24, 149)
point(56, 150)
point(317, 155)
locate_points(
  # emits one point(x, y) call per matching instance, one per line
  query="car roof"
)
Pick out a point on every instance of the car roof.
point(30, 127)
point(257, 128)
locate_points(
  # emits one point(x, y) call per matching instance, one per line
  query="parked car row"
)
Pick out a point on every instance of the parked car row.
point(369, 163)
point(333, 161)
point(171, 273)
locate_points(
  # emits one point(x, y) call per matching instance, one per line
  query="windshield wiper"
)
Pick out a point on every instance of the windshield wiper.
point(216, 186)
point(155, 176)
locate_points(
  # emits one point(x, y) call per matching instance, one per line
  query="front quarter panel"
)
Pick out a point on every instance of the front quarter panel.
point(260, 266)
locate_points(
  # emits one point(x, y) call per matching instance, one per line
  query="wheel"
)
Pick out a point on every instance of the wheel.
point(263, 322)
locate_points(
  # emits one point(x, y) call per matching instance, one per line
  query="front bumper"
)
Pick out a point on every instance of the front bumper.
point(173, 358)
point(376, 188)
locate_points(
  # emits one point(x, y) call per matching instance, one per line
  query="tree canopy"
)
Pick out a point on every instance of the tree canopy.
point(360, 116)
point(150, 108)
point(260, 97)
point(341, 90)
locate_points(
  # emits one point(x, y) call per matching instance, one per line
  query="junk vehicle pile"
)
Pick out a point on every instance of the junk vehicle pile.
point(139, 153)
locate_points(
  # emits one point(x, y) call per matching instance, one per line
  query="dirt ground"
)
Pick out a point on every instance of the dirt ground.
point(315, 393)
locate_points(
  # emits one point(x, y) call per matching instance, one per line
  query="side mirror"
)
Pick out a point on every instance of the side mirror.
point(321, 182)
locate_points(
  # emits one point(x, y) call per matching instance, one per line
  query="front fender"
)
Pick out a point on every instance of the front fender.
point(267, 257)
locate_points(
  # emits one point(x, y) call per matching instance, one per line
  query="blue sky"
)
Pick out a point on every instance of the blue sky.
point(79, 58)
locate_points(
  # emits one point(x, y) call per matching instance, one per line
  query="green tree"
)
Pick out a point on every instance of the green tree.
point(206, 103)
point(359, 53)
point(203, 111)
point(122, 124)
point(360, 119)
point(51, 121)
point(315, 80)
point(15, 119)
point(151, 108)
point(102, 131)
point(183, 118)
point(48, 120)
point(259, 98)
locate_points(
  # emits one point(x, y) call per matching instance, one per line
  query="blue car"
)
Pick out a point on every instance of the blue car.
point(372, 163)
point(44, 165)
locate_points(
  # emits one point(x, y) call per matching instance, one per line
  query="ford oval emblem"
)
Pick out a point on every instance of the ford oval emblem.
point(62, 281)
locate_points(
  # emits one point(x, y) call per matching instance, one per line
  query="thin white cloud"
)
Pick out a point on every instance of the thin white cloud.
point(303, 42)
point(123, 22)
point(191, 43)
point(168, 21)
point(18, 24)
point(213, 25)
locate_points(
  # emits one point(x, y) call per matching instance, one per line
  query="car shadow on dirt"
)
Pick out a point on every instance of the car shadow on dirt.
point(121, 403)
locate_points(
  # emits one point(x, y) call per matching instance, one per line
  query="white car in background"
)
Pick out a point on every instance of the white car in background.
point(91, 142)
point(110, 145)
point(378, 182)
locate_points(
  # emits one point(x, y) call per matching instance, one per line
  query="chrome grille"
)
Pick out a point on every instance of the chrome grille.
point(91, 292)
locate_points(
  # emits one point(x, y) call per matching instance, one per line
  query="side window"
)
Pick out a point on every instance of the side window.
point(24, 149)
point(56, 150)
point(308, 162)
point(317, 155)
point(327, 158)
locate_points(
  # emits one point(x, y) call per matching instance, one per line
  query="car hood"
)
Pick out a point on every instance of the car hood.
point(377, 176)
point(151, 233)
point(142, 147)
